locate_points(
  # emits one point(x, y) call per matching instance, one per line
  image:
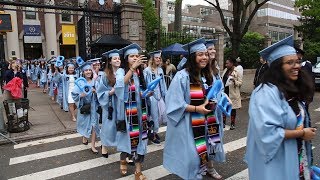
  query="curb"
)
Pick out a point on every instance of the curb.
point(37, 136)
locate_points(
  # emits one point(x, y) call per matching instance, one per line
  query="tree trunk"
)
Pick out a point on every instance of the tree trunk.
point(235, 47)
point(178, 16)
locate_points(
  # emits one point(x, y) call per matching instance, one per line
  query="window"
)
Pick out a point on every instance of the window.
point(30, 13)
point(66, 16)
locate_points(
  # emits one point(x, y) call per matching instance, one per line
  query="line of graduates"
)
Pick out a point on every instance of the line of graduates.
point(132, 112)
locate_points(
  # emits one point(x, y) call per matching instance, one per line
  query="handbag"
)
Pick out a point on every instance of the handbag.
point(85, 109)
point(121, 126)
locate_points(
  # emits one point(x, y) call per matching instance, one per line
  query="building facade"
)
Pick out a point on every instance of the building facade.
point(49, 28)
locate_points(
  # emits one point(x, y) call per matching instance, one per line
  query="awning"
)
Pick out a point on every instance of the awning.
point(110, 40)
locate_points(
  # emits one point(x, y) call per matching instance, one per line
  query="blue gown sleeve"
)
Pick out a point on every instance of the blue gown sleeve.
point(119, 92)
point(176, 101)
point(76, 96)
point(103, 91)
point(266, 118)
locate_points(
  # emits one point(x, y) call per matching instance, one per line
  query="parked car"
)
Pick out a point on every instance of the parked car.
point(316, 72)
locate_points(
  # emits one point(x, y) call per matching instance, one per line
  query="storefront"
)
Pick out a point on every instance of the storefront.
point(32, 43)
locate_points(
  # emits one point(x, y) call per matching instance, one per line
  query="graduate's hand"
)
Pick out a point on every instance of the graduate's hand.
point(83, 95)
point(202, 108)
point(112, 92)
point(309, 133)
point(93, 90)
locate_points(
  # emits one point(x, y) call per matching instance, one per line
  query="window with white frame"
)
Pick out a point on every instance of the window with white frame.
point(66, 16)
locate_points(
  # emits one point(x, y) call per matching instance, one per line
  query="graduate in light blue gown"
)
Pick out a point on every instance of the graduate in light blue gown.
point(279, 132)
point(107, 98)
point(42, 70)
point(132, 125)
point(59, 84)
point(51, 83)
point(219, 154)
point(156, 101)
point(185, 151)
point(67, 79)
point(34, 71)
point(87, 124)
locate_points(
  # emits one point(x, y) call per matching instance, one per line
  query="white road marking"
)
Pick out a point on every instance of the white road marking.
point(317, 109)
point(48, 140)
point(52, 153)
point(77, 167)
point(160, 172)
point(243, 175)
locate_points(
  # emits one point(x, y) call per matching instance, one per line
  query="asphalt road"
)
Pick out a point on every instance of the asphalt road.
point(64, 157)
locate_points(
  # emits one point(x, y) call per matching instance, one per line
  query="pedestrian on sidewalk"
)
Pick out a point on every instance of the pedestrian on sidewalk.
point(260, 72)
point(232, 83)
point(57, 80)
point(87, 103)
point(132, 123)
point(108, 99)
point(156, 101)
point(279, 132)
point(51, 83)
point(185, 151)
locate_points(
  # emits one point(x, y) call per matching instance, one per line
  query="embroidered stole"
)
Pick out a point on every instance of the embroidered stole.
point(133, 118)
point(199, 125)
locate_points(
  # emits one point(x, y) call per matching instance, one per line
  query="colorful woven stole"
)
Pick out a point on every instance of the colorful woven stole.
point(133, 118)
point(199, 125)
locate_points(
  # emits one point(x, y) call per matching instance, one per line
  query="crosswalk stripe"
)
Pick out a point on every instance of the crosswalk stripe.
point(47, 154)
point(77, 167)
point(153, 173)
point(44, 141)
point(243, 175)
point(160, 171)
point(317, 109)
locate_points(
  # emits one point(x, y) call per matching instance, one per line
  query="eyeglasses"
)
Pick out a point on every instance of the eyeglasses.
point(293, 62)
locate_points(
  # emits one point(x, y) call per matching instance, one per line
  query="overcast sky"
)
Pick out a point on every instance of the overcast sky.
point(194, 2)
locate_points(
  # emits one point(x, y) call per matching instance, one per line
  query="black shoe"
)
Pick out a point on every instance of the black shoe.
point(85, 143)
point(232, 127)
point(155, 141)
point(105, 155)
point(157, 137)
point(224, 125)
point(130, 162)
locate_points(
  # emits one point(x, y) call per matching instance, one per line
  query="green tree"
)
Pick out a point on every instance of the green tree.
point(312, 50)
point(243, 12)
point(251, 44)
point(178, 16)
point(310, 19)
point(149, 16)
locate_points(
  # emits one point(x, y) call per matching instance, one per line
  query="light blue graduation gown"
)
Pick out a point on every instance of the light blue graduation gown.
point(108, 131)
point(85, 122)
point(180, 156)
point(57, 80)
point(157, 95)
point(34, 72)
point(219, 156)
point(43, 74)
point(122, 91)
point(269, 155)
point(51, 85)
point(64, 79)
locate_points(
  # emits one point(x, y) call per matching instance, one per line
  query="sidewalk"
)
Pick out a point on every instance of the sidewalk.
point(46, 117)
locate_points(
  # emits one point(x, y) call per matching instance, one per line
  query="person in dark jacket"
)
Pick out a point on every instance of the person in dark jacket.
point(259, 72)
point(4, 67)
point(16, 71)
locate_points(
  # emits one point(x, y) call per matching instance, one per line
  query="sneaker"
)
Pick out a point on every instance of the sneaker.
point(155, 141)
point(232, 127)
point(157, 136)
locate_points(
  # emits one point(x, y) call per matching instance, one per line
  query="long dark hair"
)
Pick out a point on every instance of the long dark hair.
point(191, 67)
point(109, 72)
point(42, 66)
point(139, 69)
point(302, 89)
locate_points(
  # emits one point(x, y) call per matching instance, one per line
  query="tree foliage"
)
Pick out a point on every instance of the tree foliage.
point(252, 43)
point(151, 20)
point(312, 50)
point(242, 19)
point(310, 19)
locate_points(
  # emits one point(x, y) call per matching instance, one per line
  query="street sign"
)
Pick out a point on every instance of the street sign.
point(5, 23)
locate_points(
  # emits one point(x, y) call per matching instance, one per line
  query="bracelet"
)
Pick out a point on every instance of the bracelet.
point(132, 69)
point(195, 108)
point(303, 133)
